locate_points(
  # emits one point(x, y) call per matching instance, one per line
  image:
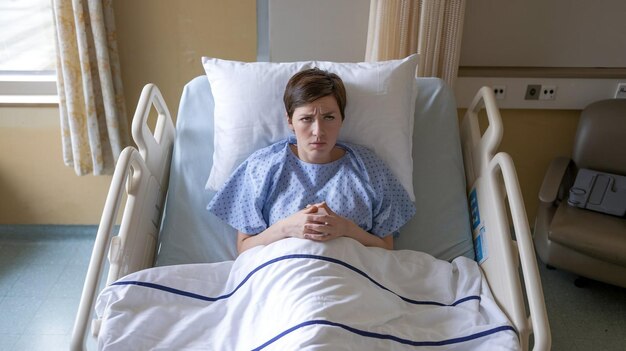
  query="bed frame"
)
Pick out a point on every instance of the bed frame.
point(505, 254)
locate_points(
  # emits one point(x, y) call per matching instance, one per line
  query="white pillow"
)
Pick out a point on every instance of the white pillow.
point(249, 111)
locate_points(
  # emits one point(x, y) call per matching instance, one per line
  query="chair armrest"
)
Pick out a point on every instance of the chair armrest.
point(553, 179)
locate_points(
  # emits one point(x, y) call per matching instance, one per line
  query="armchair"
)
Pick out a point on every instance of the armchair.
point(589, 243)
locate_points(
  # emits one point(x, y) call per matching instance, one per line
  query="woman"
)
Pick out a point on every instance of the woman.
point(311, 186)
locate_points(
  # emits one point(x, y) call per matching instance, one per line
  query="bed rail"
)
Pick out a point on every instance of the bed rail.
point(491, 180)
point(155, 147)
point(141, 178)
point(142, 175)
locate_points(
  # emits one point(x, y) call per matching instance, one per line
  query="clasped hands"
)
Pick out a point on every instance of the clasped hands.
point(319, 223)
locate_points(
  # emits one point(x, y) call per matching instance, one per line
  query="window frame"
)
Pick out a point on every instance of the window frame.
point(20, 82)
point(28, 88)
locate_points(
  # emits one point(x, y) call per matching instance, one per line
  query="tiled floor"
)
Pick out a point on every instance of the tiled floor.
point(42, 271)
point(41, 278)
point(589, 318)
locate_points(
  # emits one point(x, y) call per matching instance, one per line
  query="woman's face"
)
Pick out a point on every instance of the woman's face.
point(317, 126)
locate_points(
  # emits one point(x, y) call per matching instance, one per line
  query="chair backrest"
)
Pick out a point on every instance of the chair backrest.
point(600, 142)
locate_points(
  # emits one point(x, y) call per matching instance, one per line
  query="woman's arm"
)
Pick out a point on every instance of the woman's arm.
point(266, 237)
point(292, 226)
point(369, 239)
point(317, 222)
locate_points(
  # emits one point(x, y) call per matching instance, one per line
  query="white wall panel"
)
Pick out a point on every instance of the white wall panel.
point(545, 33)
point(296, 30)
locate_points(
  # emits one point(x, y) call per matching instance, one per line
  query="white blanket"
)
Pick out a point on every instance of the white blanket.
point(300, 295)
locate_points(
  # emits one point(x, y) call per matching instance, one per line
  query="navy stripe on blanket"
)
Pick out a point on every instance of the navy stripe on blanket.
point(283, 258)
point(364, 333)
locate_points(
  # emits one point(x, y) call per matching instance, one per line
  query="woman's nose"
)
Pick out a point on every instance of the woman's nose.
point(318, 129)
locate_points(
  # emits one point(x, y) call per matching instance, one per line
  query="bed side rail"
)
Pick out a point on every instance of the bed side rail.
point(155, 148)
point(491, 180)
point(479, 150)
point(140, 184)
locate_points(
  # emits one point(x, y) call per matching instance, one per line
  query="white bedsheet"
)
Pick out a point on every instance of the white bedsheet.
point(300, 295)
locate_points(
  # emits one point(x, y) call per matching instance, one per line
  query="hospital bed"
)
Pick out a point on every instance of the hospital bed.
point(468, 203)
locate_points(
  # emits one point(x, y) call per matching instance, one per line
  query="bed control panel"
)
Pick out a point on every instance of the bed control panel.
point(599, 191)
point(478, 229)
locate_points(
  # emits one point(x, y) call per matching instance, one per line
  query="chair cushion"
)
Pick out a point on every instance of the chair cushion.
point(595, 234)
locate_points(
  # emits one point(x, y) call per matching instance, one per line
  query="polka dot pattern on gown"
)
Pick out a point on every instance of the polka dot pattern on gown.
point(273, 183)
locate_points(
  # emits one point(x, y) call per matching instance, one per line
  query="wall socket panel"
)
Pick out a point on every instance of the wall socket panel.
point(499, 91)
point(523, 92)
point(548, 92)
point(540, 92)
point(532, 92)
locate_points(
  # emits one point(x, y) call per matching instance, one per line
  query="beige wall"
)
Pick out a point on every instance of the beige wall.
point(160, 41)
point(533, 138)
point(35, 186)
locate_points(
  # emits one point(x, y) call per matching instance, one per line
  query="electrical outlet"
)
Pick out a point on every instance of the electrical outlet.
point(499, 91)
point(548, 92)
point(621, 91)
point(532, 92)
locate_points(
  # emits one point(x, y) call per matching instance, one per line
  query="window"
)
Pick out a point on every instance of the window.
point(27, 52)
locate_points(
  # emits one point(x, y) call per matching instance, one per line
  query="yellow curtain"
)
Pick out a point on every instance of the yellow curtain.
point(431, 28)
point(94, 126)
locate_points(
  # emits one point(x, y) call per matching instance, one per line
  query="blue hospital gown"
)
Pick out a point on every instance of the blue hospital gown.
point(273, 183)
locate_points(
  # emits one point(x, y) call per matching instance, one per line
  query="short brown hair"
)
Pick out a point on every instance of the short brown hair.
point(311, 84)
